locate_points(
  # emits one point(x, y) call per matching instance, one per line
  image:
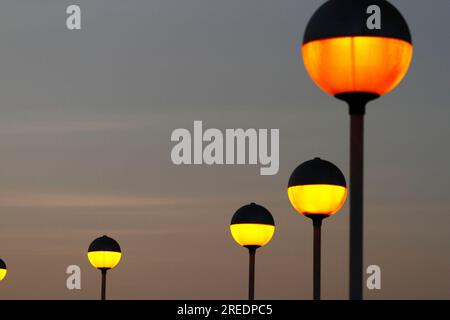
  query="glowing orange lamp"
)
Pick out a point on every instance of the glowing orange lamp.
point(317, 190)
point(356, 60)
point(104, 253)
point(252, 227)
point(344, 56)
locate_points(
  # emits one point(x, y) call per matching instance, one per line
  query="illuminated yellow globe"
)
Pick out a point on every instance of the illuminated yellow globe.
point(252, 226)
point(252, 234)
point(3, 270)
point(104, 259)
point(317, 198)
point(104, 253)
point(317, 187)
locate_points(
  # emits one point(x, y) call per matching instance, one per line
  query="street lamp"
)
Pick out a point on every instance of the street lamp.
point(252, 227)
point(3, 270)
point(317, 189)
point(355, 62)
point(104, 253)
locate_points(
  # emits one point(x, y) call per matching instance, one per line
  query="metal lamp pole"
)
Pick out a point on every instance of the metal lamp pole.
point(357, 109)
point(103, 294)
point(251, 273)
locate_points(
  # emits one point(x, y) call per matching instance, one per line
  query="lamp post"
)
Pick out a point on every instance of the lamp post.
point(356, 63)
point(104, 253)
point(252, 227)
point(317, 190)
point(3, 270)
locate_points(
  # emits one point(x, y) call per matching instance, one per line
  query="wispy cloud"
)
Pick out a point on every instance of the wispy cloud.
point(72, 200)
point(62, 127)
point(32, 200)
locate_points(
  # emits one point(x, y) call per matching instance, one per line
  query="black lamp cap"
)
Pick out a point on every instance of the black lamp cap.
point(253, 213)
point(104, 244)
point(317, 171)
point(2, 264)
point(346, 18)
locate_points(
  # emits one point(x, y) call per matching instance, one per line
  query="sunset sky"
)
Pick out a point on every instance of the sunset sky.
point(85, 123)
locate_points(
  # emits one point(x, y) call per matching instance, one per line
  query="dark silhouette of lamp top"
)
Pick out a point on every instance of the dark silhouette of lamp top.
point(254, 214)
point(317, 171)
point(348, 18)
point(104, 243)
point(2, 264)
